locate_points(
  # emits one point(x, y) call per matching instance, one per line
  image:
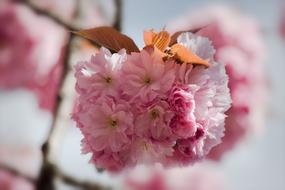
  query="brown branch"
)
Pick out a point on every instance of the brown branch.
point(64, 104)
point(70, 27)
point(82, 184)
point(119, 15)
point(17, 173)
point(50, 15)
point(49, 148)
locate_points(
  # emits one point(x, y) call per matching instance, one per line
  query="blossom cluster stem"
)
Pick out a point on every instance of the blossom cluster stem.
point(16, 172)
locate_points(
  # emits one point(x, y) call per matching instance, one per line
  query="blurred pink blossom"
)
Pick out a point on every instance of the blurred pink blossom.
point(239, 45)
point(198, 177)
point(16, 70)
point(26, 158)
point(63, 8)
point(282, 22)
point(88, 15)
point(137, 108)
point(30, 58)
point(10, 182)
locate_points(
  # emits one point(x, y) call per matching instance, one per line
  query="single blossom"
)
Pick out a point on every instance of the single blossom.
point(10, 182)
point(101, 75)
point(107, 124)
point(145, 179)
point(282, 22)
point(199, 177)
point(149, 151)
point(146, 77)
point(154, 121)
point(181, 100)
point(11, 41)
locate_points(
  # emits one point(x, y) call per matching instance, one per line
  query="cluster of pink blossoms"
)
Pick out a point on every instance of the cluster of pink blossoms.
point(239, 45)
point(139, 108)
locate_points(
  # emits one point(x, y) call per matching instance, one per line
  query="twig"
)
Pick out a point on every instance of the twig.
point(59, 173)
point(15, 172)
point(49, 170)
point(55, 18)
point(119, 14)
point(60, 123)
point(49, 148)
point(82, 184)
point(68, 26)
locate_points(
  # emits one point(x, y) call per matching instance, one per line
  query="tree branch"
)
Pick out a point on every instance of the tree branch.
point(59, 124)
point(48, 14)
point(82, 184)
point(119, 15)
point(60, 174)
point(17, 173)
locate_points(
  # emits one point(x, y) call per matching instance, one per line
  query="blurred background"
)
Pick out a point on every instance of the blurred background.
point(256, 163)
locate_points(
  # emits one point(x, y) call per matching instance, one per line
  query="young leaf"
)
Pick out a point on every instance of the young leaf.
point(185, 55)
point(109, 38)
point(148, 36)
point(176, 34)
point(159, 40)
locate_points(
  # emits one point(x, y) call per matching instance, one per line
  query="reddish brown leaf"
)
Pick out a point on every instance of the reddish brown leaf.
point(176, 34)
point(110, 38)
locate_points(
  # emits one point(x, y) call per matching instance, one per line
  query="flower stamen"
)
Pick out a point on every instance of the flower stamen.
point(112, 123)
point(154, 114)
point(147, 80)
point(108, 80)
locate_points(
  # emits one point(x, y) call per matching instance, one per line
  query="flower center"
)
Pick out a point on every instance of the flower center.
point(147, 80)
point(145, 146)
point(108, 80)
point(112, 123)
point(2, 44)
point(154, 114)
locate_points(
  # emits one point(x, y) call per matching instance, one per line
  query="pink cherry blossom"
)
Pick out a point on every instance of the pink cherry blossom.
point(107, 124)
point(181, 100)
point(14, 70)
point(243, 53)
point(10, 182)
point(282, 22)
point(139, 109)
point(199, 177)
point(146, 77)
point(148, 151)
point(154, 121)
point(37, 64)
point(101, 75)
point(155, 180)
